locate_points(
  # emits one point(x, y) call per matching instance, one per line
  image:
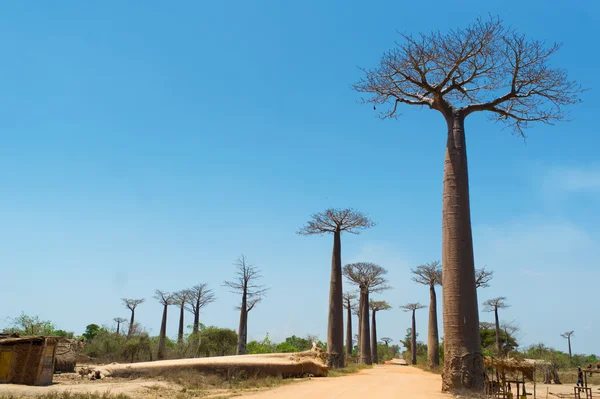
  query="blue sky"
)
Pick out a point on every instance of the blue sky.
point(148, 146)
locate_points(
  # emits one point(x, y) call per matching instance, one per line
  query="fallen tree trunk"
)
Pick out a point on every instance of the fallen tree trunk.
point(285, 365)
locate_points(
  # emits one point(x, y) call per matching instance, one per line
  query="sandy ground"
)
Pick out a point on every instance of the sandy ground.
point(385, 381)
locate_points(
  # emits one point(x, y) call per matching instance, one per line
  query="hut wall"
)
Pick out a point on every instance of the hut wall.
point(27, 362)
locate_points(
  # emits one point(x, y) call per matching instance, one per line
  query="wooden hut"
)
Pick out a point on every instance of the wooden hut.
point(27, 360)
point(66, 356)
point(504, 373)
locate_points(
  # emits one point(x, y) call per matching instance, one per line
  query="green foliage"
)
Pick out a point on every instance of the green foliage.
point(406, 342)
point(387, 352)
point(31, 325)
point(488, 340)
point(91, 330)
point(215, 341)
point(257, 347)
point(64, 334)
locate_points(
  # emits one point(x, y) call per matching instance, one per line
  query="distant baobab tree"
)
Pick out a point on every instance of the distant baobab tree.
point(413, 307)
point(119, 320)
point(165, 299)
point(198, 297)
point(386, 340)
point(568, 336)
point(369, 278)
point(181, 299)
point(376, 306)
point(336, 221)
point(489, 68)
point(348, 304)
point(357, 311)
point(245, 284)
point(492, 305)
point(430, 274)
point(131, 304)
point(483, 277)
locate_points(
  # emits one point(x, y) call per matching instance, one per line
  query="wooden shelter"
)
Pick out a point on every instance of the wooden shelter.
point(66, 355)
point(27, 360)
point(505, 373)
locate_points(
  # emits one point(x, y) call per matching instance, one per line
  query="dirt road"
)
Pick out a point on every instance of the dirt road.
point(385, 381)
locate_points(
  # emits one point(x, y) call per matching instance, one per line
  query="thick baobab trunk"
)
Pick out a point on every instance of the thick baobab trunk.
point(569, 341)
point(181, 318)
point(195, 329)
point(243, 327)
point(349, 331)
point(433, 343)
point(498, 344)
point(335, 326)
point(365, 344)
point(374, 356)
point(118, 327)
point(463, 360)
point(131, 322)
point(413, 340)
point(163, 335)
point(358, 341)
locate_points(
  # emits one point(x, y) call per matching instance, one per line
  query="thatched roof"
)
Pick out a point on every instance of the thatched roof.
point(26, 339)
point(512, 365)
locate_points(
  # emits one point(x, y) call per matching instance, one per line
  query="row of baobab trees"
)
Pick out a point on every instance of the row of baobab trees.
point(196, 298)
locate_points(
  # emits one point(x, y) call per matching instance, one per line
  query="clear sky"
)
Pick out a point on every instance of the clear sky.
point(148, 145)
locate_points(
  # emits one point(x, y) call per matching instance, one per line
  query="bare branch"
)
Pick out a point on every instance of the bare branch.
point(163, 297)
point(411, 307)
point(428, 274)
point(367, 276)
point(348, 297)
point(244, 282)
point(119, 320)
point(198, 297)
point(131, 304)
point(568, 334)
point(377, 306)
point(332, 220)
point(495, 303)
point(485, 67)
point(483, 277)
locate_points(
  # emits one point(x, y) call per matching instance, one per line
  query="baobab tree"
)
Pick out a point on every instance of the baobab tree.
point(376, 306)
point(486, 67)
point(181, 299)
point(198, 297)
point(348, 305)
point(492, 305)
point(386, 340)
point(336, 221)
point(245, 284)
point(483, 277)
point(413, 307)
point(568, 336)
point(430, 274)
point(131, 304)
point(165, 299)
point(369, 278)
point(119, 320)
point(356, 310)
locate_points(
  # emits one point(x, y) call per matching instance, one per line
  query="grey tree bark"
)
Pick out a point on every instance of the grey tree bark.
point(335, 326)
point(163, 334)
point(349, 331)
point(365, 347)
point(463, 360)
point(374, 355)
point(433, 342)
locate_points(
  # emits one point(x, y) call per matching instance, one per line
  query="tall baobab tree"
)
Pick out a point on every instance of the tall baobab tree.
point(568, 336)
point(492, 305)
point(131, 304)
point(376, 306)
point(430, 274)
point(336, 221)
point(165, 300)
point(483, 277)
point(386, 340)
point(198, 297)
point(245, 284)
point(486, 67)
point(181, 299)
point(413, 307)
point(348, 305)
point(119, 321)
point(369, 278)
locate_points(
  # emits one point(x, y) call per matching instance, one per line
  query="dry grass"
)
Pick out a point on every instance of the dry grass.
point(349, 369)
